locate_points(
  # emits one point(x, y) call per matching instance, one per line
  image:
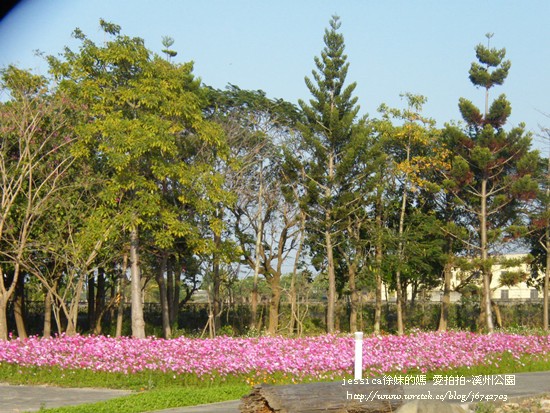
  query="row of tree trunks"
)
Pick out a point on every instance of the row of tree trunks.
point(97, 300)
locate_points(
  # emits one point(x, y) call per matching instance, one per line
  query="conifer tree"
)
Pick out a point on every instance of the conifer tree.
point(327, 131)
point(491, 171)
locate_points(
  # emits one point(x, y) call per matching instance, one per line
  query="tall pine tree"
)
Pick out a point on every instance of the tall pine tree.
point(327, 132)
point(491, 168)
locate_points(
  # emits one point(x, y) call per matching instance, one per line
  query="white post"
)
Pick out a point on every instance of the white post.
point(358, 355)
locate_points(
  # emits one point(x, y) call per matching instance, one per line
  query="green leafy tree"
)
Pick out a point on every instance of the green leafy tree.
point(144, 126)
point(359, 172)
point(491, 172)
point(411, 140)
point(327, 131)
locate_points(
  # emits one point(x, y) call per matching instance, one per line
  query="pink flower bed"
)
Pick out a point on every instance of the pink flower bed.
point(321, 357)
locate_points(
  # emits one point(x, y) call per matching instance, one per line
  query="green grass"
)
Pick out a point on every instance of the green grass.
point(159, 399)
point(156, 390)
point(500, 364)
point(148, 380)
point(153, 390)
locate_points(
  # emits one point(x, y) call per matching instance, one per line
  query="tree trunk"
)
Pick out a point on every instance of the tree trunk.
point(414, 295)
point(261, 320)
point(378, 302)
point(496, 311)
point(72, 311)
point(338, 312)
point(446, 299)
point(274, 303)
point(177, 290)
point(19, 307)
point(70, 330)
point(378, 264)
point(3, 317)
point(172, 302)
point(331, 296)
point(138, 323)
point(120, 298)
point(399, 292)
point(47, 332)
point(216, 283)
point(216, 309)
point(166, 330)
point(293, 293)
point(91, 301)
point(5, 295)
point(331, 304)
point(293, 304)
point(56, 310)
point(401, 249)
point(254, 297)
point(99, 300)
point(486, 271)
point(354, 297)
point(259, 239)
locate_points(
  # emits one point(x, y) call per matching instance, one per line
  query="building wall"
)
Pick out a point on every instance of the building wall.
point(520, 291)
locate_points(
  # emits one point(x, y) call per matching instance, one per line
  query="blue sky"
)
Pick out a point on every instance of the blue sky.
point(393, 46)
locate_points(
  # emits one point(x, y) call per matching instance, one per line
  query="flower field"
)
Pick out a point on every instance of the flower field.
point(321, 357)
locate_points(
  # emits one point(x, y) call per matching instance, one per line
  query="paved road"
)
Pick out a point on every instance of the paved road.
point(16, 399)
point(31, 398)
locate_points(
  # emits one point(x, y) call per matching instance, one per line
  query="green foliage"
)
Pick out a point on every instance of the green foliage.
point(499, 112)
point(511, 278)
point(538, 236)
point(160, 399)
point(144, 131)
point(490, 58)
point(149, 147)
point(470, 113)
point(414, 244)
point(485, 408)
point(332, 111)
point(332, 142)
point(492, 174)
point(167, 42)
point(146, 119)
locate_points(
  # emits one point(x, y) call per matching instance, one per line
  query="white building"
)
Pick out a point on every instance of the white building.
point(521, 291)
